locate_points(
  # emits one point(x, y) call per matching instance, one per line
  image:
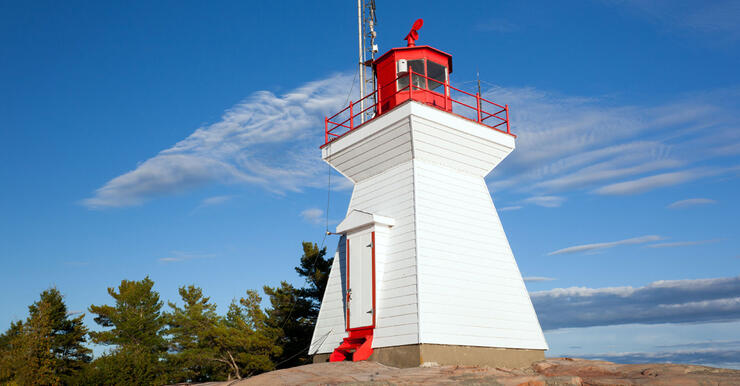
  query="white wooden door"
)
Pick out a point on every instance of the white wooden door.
point(360, 288)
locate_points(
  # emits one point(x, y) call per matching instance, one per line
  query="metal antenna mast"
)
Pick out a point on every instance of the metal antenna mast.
point(367, 48)
point(361, 48)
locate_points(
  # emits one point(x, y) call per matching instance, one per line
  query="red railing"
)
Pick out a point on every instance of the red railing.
point(480, 112)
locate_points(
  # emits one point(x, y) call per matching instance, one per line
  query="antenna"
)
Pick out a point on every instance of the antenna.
point(367, 47)
point(361, 63)
point(477, 77)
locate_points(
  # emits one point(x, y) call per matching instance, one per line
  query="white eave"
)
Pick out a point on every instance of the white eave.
point(358, 219)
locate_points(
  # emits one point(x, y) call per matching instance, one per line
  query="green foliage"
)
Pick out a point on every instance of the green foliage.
point(135, 320)
point(10, 351)
point(314, 268)
point(295, 310)
point(192, 330)
point(209, 347)
point(137, 328)
point(126, 366)
point(289, 312)
point(48, 348)
point(247, 343)
point(191, 343)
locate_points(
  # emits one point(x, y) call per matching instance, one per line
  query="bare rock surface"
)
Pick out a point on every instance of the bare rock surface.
point(551, 372)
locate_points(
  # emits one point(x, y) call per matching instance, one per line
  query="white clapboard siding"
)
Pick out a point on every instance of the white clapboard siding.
point(330, 324)
point(388, 193)
point(497, 310)
point(445, 273)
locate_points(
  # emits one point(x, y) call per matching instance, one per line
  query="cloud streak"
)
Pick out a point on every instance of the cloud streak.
point(606, 245)
point(645, 184)
point(266, 140)
point(691, 202)
point(682, 243)
point(545, 201)
point(179, 256)
point(537, 279)
point(564, 144)
point(593, 145)
point(313, 215)
point(666, 301)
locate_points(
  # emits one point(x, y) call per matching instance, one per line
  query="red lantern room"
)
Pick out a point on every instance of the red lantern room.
point(429, 69)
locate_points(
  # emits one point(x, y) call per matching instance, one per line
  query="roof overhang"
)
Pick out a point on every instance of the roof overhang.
point(358, 219)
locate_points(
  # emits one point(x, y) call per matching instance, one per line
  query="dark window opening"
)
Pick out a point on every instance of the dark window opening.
point(436, 74)
point(417, 66)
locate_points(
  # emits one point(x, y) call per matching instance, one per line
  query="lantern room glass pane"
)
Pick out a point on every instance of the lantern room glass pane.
point(417, 66)
point(436, 72)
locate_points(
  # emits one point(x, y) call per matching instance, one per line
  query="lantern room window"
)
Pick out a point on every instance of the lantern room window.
point(417, 66)
point(422, 67)
point(438, 73)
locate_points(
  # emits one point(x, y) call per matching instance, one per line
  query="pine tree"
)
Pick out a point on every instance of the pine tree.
point(193, 330)
point(36, 352)
point(48, 348)
point(314, 268)
point(210, 347)
point(244, 340)
point(295, 310)
point(10, 351)
point(136, 334)
point(289, 312)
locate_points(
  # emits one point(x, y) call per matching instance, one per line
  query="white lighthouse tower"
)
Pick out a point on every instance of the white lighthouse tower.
point(423, 271)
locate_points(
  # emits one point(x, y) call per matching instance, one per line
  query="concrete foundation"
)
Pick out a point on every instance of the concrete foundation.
point(418, 354)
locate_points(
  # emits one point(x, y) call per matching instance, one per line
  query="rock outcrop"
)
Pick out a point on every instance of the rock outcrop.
point(551, 372)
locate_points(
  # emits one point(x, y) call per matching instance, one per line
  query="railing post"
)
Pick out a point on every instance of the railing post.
point(447, 95)
point(377, 103)
point(411, 84)
point(477, 99)
point(351, 116)
point(508, 130)
point(326, 130)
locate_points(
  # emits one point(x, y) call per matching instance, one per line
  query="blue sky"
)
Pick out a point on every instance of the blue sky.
point(180, 140)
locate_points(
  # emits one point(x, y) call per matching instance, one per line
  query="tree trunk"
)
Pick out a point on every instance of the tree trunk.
point(235, 366)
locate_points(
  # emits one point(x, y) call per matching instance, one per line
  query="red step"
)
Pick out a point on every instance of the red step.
point(356, 347)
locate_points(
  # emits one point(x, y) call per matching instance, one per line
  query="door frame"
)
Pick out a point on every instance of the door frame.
point(347, 328)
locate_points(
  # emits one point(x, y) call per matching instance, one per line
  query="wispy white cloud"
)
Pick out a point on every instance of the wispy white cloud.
point(178, 256)
point(665, 301)
point(569, 144)
point(313, 215)
point(545, 201)
point(564, 144)
point(691, 202)
point(535, 279)
point(601, 246)
point(682, 243)
point(266, 140)
point(645, 184)
point(509, 208)
point(213, 201)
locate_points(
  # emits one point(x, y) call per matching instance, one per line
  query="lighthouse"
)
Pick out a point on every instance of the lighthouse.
point(423, 271)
